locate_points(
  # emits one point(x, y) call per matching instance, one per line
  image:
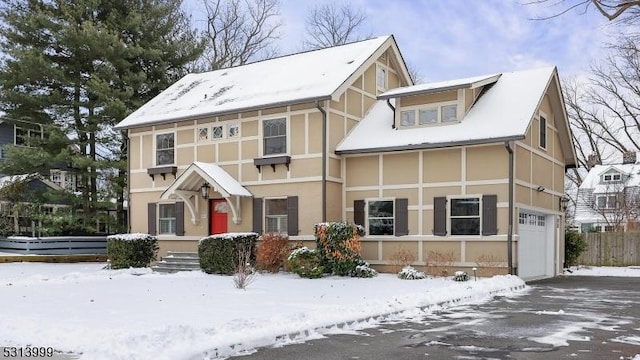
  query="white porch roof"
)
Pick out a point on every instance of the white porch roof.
point(187, 187)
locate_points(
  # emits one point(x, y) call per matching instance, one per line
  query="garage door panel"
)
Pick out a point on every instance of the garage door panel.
point(532, 245)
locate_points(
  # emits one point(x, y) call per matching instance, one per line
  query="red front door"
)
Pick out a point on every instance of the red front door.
point(218, 218)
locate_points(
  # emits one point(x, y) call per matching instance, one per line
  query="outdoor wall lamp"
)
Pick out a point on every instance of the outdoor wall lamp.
point(540, 188)
point(563, 201)
point(204, 190)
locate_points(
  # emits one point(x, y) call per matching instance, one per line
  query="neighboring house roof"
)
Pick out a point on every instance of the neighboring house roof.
point(502, 113)
point(592, 185)
point(466, 83)
point(303, 77)
point(6, 180)
point(592, 180)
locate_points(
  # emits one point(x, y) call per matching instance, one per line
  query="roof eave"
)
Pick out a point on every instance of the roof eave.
point(468, 85)
point(226, 112)
point(425, 146)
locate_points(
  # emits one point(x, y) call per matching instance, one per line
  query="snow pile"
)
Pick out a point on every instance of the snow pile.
point(623, 271)
point(137, 314)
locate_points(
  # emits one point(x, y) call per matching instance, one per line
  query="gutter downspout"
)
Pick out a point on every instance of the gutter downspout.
point(324, 161)
point(393, 126)
point(507, 145)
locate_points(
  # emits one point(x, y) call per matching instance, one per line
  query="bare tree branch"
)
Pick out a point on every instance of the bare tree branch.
point(332, 24)
point(239, 32)
point(625, 11)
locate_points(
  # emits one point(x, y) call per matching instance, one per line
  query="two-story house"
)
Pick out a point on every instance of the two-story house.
point(473, 167)
point(609, 198)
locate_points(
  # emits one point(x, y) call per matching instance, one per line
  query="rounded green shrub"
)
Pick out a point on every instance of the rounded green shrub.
point(306, 263)
point(219, 253)
point(131, 250)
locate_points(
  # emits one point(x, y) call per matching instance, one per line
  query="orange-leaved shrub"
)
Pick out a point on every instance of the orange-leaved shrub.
point(272, 251)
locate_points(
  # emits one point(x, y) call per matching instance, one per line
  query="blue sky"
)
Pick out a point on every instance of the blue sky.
point(460, 38)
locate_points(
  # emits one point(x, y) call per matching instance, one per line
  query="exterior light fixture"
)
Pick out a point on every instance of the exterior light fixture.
point(204, 190)
point(563, 201)
point(540, 188)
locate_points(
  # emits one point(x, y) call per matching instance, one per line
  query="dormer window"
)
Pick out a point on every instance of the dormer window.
point(611, 177)
point(428, 115)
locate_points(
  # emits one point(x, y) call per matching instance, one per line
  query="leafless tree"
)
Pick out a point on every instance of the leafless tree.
point(605, 111)
point(331, 24)
point(239, 32)
point(244, 273)
point(626, 11)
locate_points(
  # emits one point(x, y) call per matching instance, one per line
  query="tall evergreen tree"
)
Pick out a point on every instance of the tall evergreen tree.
point(82, 66)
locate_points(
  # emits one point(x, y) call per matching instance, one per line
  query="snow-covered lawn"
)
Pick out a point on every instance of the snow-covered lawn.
point(137, 314)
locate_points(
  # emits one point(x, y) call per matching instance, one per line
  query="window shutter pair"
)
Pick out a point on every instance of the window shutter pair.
point(401, 216)
point(152, 218)
point(292, 215)
point(489, 215)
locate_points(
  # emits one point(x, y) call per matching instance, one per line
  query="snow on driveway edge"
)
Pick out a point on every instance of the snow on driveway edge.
point(471, 294)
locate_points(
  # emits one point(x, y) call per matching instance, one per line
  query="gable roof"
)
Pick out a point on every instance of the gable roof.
point(298, 78)
point(502, 113)
point(592, 180)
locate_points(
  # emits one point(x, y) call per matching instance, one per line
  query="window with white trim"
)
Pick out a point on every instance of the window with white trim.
point(28, 135)
point(381, 77)
point(167, 218)
point(607, 201)
point(217, 132)
point(233, 130)
point(543, 132)
point(165, 149)
point(613, 177)
point(203, 133)
point(274, 134)
point(464, 216)
point(275, 215)
point(380, 217)
point(428, 115)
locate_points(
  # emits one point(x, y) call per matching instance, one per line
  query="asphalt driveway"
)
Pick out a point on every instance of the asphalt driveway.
point(566, 317)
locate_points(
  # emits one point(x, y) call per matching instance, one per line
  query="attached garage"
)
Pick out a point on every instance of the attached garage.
point(536, 250)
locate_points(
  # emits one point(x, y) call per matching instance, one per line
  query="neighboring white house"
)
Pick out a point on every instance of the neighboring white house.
point(608, 198)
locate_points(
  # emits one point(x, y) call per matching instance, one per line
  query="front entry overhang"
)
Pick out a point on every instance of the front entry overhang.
point(187, 188)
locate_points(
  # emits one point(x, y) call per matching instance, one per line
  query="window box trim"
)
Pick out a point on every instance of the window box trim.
point(162, 170)
point(273, 161)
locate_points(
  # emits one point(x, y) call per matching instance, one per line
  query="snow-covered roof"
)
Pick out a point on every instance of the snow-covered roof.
point(303, 77)
point(502, 113)
point(592, 180)
point(6, 180)
point(471, 82)
point(192, 178)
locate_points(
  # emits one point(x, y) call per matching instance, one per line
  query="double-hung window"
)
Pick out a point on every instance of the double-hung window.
point(380, 217)
point(167, 218)
point(607, 201)
point(275, 215)
point(611, 177)
point(465, 216)
point(274, 132)
point(165, 149)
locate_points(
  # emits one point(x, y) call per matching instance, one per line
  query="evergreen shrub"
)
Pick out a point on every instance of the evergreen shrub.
point(460, 276)
point(574, 246)
point(306, 263)
point(219, 253)
point(338, 245)
point(410, 273)
point(131, 250)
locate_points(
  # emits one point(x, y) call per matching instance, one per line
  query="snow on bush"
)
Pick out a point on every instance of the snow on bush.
point(363, 270)
point(306, 263)
point(131, 250)
point(410, 273)
point(460, 276)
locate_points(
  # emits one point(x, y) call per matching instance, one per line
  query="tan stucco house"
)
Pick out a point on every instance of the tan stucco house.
point(461, 168)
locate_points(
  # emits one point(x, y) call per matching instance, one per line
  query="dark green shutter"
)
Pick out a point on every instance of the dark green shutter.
point(179, 208)
point(292, 215)
point(358, 212)
point(151, 218)
point(440, 216)
point(257, 215)
point(489, 215)
point(401, 221)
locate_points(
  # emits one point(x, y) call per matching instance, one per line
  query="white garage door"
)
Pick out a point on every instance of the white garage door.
point(535, 246)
